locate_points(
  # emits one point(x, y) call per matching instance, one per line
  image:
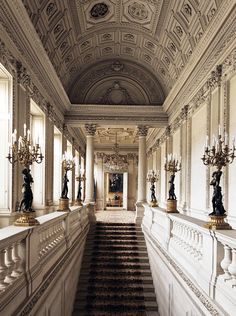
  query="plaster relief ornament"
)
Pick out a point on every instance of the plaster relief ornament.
point(99, 10)
point(138, 11)
point(51, 9)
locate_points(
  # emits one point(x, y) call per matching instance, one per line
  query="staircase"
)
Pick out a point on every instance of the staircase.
point(115, 278)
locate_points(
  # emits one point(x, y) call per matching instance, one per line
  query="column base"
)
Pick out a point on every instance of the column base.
point(217, 223)
point(91, 213)
point(171, 206)
point(153, 203)
point(63, 205)
point(139, 212)
point(26, 219)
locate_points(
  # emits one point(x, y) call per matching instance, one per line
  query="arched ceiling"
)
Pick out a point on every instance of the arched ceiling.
point(154, 38)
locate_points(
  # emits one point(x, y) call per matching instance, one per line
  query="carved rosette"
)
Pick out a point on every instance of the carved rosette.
point(142, 131)
point(90, 129)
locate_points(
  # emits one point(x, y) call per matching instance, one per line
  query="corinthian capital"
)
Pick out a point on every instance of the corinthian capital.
point(142, 130)
point(90, 129)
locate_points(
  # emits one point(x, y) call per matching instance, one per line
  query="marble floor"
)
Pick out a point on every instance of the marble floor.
point(115, 216)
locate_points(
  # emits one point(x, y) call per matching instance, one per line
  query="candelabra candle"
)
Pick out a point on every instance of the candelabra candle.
point(218, 155)
point(153, 177)
point(24, 152)
point(172, 164)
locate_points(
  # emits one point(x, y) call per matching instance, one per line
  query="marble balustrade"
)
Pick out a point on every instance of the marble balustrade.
point(29, 254)
point(201, 260)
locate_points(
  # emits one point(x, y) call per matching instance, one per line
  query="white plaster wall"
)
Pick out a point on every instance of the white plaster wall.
point(163, 175)
point(198, 170)
point(172, 298)
point(176, 150)
point(232, 132)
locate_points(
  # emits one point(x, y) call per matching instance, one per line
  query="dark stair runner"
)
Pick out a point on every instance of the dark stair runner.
point(115, 277)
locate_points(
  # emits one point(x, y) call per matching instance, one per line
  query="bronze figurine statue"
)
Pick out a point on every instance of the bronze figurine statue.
point(172, 195)
point(27, 200)
point(217, 204)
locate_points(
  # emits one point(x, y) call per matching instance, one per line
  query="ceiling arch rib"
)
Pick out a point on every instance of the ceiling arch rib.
point(117, 81)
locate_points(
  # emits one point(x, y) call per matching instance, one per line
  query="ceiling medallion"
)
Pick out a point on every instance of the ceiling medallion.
point(99, 10)
point(115, 162)
point(138, 11)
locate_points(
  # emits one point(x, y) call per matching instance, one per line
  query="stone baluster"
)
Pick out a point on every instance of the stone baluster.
point(3, 270)
point(17, 269)
point(196, 244)
point(9, 264)
point(193, 242)
point(232, 268)
point(226, 262)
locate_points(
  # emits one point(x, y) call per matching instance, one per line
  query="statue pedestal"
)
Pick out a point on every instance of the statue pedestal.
point(78, 202)
point(153, 203)
point(26, 219)
point(63, 205)
point(171, 206)
point(217, 222)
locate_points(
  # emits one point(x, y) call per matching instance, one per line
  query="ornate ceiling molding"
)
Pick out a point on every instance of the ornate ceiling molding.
point(160, 35)
point(95, 83)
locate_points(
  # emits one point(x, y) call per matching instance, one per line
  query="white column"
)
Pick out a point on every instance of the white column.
point(89, 190)
point(142, 173)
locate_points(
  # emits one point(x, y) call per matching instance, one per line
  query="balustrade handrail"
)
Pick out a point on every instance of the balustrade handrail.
point(23, 248)
point(207, 257)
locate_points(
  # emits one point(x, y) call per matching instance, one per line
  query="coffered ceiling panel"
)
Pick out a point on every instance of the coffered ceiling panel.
point(157, 36)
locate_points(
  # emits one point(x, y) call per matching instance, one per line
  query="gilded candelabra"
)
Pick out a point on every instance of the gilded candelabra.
point(218, 155)
point(153, 177)
point(80, 178)
point(68, 163)
point(26, 153)
point(172, 165)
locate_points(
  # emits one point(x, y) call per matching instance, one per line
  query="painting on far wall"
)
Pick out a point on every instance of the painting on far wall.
point(115, 182)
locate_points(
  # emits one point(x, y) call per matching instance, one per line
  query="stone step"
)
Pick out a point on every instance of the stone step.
point(114, 307)
point(101, 238)
point(115, 242)
point(101, 280)
point(115, 265)
point(117, 297)
point(118, 254)
point(117, 233)
point(111, 272)
point(117, 247)
point(128, 259)
point(114, 224)
point(115, 288)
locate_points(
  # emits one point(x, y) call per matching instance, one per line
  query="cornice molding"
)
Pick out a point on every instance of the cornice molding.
point(152, 116)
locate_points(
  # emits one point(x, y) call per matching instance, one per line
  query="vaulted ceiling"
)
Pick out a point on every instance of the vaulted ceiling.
point(120, 51)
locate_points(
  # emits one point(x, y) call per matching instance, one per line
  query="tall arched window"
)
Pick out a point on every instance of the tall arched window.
point(5, 139)
point(57, 166)
point(70, 184)
point(37, 128)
